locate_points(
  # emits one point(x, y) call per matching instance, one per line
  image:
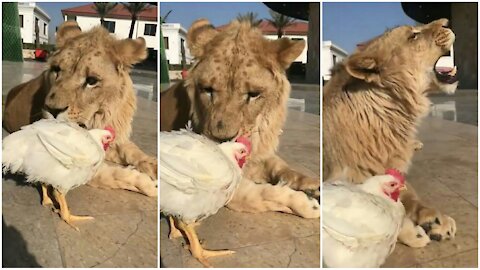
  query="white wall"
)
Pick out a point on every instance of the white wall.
point(122, 29)
point(27, 32)
point(175, 33)
point(328, 51)
point(303, 56)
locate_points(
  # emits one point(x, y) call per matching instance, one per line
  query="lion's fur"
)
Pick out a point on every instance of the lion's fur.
point(375, 101)
point(238, 86)
point(65, 88)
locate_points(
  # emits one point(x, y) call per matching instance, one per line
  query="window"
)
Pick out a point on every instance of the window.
point(165, 42)
point(21, 21)
point(110, 26)
point(71, 18)
point(44, 28)
point(150, 29)
point(334, 59)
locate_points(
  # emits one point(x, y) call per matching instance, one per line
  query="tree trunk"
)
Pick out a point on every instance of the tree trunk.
point(132, 26)
point(279, 33)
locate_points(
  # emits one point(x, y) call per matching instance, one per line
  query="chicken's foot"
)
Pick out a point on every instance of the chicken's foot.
point(65, 213)
point(174, 232)
point(45, 198)
point(196, 249)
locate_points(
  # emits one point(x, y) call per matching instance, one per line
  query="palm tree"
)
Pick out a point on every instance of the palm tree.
point(250, 17)
point(134, 8)
point(280, 22)
point(164, 18)
point(103, 8)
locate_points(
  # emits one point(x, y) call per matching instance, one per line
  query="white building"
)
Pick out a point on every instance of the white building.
point(31, 15)
point(174, 37)
point(331, 55)
point(118, 22)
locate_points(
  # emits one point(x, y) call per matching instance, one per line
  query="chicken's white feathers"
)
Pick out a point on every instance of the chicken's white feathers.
point(53, 152)
point(197, 176)
point(191, 162)
point(359, 228)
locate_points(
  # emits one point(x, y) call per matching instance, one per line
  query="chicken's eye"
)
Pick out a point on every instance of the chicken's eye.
point(91, 81)
point(393, 184)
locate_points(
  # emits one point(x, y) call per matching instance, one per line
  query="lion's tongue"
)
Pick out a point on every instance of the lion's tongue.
point(446, 74)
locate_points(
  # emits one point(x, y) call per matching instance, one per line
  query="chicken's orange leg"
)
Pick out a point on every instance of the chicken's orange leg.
point(45, 198)
point(196, 249)
point(174, 232)
point(65, 213)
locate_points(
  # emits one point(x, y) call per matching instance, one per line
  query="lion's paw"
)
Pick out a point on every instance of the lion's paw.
point(417, 145)
point(149, 167)
point(438, 226)
point(413, 235)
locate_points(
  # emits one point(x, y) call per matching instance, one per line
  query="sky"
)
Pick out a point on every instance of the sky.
point(347, 24)
point(54, 10)
point(219, 13)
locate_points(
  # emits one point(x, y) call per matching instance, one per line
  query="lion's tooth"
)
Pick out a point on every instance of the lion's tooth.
point(453, 72)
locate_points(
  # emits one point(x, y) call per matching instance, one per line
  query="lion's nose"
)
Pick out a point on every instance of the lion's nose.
point(55, 111)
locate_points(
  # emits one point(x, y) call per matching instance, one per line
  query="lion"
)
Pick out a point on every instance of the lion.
point(88, 81)
point(372, 107)
point(238, 87)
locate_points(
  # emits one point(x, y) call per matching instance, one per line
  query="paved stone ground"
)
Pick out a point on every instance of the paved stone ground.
point(444, 174)
point(266, 239)
point(123, 234)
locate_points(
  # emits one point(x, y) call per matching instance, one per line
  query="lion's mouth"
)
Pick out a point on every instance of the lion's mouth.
point(446, 75)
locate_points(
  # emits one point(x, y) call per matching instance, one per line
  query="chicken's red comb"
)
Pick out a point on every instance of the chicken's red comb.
point(112, 131)
point(245, 141)
point(397, 174)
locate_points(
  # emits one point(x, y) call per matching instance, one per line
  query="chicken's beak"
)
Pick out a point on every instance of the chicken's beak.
point(403, 188)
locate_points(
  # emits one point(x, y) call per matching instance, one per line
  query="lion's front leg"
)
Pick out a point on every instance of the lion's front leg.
point(280, 173)
point(130, 154)
point(115, 176)
point(254, 198)
point(435, 224)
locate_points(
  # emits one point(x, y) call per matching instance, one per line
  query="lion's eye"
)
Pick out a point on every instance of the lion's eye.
point(414, 36)
point(208, 91)
point(252, 95)
point(91, 81)
point(55, 69)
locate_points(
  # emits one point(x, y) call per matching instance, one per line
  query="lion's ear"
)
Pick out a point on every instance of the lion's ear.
point(199, 34)
point(288, 50)
point(363, 67)
point(131, 51)
point(66, 31)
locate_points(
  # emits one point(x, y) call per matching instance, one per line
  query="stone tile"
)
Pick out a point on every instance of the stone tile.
point(110, 241)
point(307, 252)
point(29, 238)
point(467, 259)
point(271, 255)
point(88, 200)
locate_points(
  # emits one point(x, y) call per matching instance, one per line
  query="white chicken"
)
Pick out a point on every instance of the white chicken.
point(360, 223)
point(57, 153)
point(197, 178)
